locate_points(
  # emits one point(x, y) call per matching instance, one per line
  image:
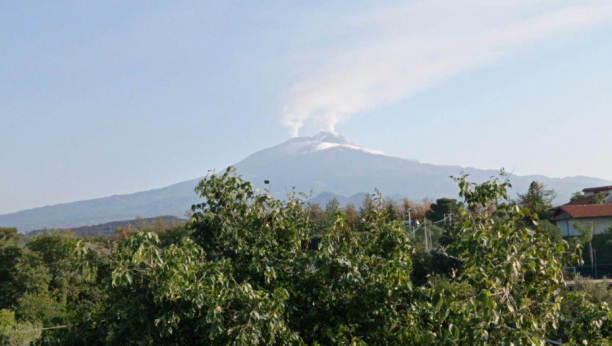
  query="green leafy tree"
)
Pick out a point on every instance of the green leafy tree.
point(599, 198)
point(42, 307)
point(554, 231)
point(352, 215)
point(14, 333)
point(8, 236)
point(538, 200)
point(576, 196)
point(51, 247)
point(244, 275)
point(41, 286)
point(441, 208)
point(392, 209)
point(513, 296)
point(314, 213)
point(329, 213)
point(586, 318)
point(586, 237)
point(584, 322)
point(21, 271)
point(594, 291)
point(367, 206)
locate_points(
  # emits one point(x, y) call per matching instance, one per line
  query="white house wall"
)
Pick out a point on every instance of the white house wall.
point(600, 224)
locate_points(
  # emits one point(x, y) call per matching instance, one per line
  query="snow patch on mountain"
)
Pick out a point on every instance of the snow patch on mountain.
point(322, 141)
point(327, 145)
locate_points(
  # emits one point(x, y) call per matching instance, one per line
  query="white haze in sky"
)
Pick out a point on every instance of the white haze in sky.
point(393, 52)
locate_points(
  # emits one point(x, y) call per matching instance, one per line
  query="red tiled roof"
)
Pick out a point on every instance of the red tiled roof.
point(583, 211)
point(595, 189)
point(585, 200)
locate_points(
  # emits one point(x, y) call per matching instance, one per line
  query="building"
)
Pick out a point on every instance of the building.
point(583, 211)
point(590, 193)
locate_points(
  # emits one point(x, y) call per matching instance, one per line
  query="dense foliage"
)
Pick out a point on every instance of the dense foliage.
point(576, 196)
point(442, 208)
point(538, 199)
point(110, 228)
point(243, 271)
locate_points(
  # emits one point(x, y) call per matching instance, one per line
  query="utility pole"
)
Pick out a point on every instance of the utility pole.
point(409, 220)
point(409, 217)
point(449, 216)
point(267, 182)
point(426, 242)
point(595, 250)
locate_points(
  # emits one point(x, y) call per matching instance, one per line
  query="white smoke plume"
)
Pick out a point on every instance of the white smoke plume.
point(399, 50)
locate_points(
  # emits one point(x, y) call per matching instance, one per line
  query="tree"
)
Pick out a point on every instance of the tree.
point(244, 276)
point(599, 198)
point(123, 232)
point(329, 213)
point(42, 307)
point(418, 211)
point(499, 253)
point(51, 247)
point(14, 333)
point(332, 206)
point(392, 209)
point(352, 215)
point(8, 236)
point(314, 213)
point(441, 208)
point(538, 200)
point(586, 237)
point(586, 315)
point(367, 206)
point(40, 285)
point(576, 196)
point(21, 271)
point(584, 322)
point(553, 230)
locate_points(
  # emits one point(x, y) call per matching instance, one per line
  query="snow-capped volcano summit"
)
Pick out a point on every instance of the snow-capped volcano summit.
point(330, 137)
point(322, 141)
point(325, 140)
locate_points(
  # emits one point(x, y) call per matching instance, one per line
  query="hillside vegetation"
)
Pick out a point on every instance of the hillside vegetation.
point(110, 228)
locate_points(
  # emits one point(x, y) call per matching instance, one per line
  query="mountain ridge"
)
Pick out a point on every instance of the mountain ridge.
point(324, 163)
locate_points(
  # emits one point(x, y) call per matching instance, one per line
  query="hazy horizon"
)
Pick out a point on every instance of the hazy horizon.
point(113, 98)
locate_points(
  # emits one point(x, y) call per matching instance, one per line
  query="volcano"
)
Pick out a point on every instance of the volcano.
point(323, 166)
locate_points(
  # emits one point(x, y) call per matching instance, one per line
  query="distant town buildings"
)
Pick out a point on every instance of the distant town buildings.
point(595, 206)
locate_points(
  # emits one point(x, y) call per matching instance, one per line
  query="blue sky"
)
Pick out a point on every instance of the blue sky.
point(117, 97)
